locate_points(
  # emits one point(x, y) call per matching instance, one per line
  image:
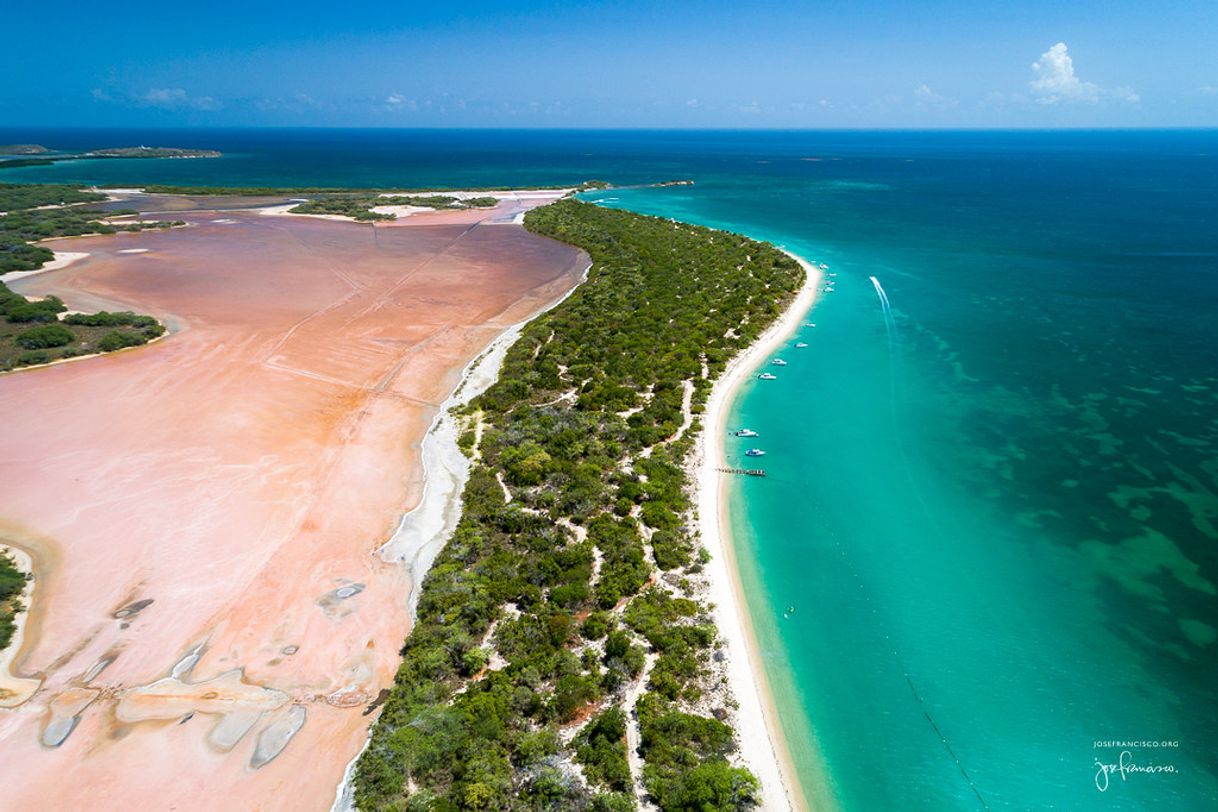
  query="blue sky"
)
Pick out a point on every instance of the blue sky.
point(872, 63)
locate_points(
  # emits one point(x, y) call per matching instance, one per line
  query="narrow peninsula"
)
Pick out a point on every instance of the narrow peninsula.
point(564, 654)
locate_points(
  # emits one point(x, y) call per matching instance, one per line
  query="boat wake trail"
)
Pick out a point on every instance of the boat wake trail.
point(879, 291)
point(890, 328)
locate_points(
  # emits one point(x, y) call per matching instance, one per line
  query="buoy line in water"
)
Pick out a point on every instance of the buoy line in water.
point(890, 331)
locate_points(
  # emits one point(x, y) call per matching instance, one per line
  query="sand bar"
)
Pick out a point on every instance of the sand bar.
point(210, 507)
point(62, 260)
point(762, 745)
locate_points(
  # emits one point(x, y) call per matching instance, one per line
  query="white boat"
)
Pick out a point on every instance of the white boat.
point(778, 362)
point(824, 267)
point(765, 376)
point(746, 433)
point(828, 290)
point(754, 452)
point(799, 345)
point(833, 274)
point(809, 324)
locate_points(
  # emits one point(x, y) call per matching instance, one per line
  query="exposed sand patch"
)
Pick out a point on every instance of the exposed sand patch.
point(510, 209)
point(401, 211)
point(62, 260)
point(216, 500)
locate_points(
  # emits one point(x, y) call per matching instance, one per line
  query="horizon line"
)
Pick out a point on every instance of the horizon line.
point(437, 128)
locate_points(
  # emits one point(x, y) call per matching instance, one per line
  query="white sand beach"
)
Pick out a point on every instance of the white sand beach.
point(62, 260)
point(760, 737)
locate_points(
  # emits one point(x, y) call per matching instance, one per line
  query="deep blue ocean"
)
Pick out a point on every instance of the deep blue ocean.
point(988, 541)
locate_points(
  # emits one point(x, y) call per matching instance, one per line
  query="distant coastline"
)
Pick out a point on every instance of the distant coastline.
point(38, 155)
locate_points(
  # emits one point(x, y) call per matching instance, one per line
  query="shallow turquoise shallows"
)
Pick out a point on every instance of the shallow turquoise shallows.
point(987, 540)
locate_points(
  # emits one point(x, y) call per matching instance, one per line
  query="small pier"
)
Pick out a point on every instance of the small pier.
point(745, 471)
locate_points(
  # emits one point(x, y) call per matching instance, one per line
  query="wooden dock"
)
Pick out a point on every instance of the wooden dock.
point(745, 471)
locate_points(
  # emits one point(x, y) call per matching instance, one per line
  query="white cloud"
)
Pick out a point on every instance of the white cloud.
point(751, 109)
point(298, 102)
point(1208, 90)
point(99, 95)
point(174, 98)
point(1057, 83)
point(396, 101)
point(691, 102)
point(927, 98)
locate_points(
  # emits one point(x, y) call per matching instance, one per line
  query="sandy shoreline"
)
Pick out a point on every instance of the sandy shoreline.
point(14, 689)
point(62, 260)
point(761, 740)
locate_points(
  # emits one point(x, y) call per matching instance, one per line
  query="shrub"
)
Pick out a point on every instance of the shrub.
point(601, 748)
point(123, 318)
point(117, 341)
point(31, 357)
point(44, 310)
point(48, 335)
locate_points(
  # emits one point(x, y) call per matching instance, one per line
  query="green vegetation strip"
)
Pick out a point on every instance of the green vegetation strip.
point(28, 218)
point(543, 611)
point(12, 583)
point(358, 206)
point(34, 331)
point(300, 191)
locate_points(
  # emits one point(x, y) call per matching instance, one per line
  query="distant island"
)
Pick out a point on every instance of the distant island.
point(22, 149)
point(46, 156)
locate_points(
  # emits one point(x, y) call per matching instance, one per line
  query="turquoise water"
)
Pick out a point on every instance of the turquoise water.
point(994, 513)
